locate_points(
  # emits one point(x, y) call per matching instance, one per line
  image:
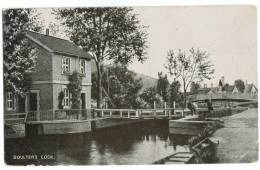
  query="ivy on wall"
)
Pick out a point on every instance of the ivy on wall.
point(74, 86)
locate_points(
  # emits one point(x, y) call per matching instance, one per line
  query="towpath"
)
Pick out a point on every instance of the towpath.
point(238, 140)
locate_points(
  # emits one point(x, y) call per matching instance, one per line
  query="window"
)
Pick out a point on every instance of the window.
point(82, 66)
point(10, 101)
point(66, 100)
point(65, 65)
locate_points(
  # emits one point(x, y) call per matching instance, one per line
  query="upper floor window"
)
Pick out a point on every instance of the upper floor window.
point(66, 100)
point(66, 65)
point(82, 66)
point(10, 101)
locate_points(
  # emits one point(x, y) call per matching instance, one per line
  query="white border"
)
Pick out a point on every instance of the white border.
point(86, 3)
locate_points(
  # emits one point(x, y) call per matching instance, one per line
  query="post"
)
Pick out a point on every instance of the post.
point(121, 115)
point(128, 114)
point(136, 113)
point(174, 108)
point(53, 115)
point(37, 116)
point(110, 113)
point(154, 107)
point(102, 113)
point(165, 111)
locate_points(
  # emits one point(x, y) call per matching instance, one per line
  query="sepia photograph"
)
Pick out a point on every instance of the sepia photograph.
point(130, 85)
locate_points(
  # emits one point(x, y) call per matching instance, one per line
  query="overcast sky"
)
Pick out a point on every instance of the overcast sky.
point(228, 33)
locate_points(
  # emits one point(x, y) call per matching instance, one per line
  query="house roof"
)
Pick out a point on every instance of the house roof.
point(248, 88)
point(58, 45)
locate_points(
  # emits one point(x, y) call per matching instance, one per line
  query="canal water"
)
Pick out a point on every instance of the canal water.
point(139, 143)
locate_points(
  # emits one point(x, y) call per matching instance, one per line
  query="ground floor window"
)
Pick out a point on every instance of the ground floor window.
point(66, 100)
point(10, 101)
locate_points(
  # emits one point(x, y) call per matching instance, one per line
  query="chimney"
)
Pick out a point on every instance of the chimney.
point(205, 85)
point(47, 31)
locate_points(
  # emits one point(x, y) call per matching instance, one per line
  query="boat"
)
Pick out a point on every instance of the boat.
point(195, 156)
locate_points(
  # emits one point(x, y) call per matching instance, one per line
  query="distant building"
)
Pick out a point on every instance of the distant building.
point(223, 88)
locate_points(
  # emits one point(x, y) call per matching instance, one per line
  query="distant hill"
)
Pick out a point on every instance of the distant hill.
point(147, 81)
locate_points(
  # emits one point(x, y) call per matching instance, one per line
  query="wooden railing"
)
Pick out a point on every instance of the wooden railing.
point(66, 114)
point(78, 114)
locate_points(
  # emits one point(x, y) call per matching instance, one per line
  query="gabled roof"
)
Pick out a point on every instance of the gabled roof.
point(57, 45)
point(248, 88)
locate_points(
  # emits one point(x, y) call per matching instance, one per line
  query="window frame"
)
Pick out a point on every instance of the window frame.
point(83, 68)
point(67, 98)
point(66, 65)
point(10, 101)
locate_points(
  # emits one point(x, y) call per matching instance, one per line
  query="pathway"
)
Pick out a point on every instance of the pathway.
point(238, 139)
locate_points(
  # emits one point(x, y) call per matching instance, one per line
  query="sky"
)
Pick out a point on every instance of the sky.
point(228, 33)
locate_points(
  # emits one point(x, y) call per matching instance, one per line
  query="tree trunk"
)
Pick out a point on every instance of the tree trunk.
point(99, 86)
point(184, 94)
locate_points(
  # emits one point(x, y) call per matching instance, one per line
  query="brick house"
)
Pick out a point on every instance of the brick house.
point(56, 60)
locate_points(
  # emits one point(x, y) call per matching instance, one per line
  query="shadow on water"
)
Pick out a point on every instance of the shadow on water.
point(139, 143)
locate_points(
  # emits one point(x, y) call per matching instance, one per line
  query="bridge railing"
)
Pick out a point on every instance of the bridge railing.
point(65, 114)
point(84, 114)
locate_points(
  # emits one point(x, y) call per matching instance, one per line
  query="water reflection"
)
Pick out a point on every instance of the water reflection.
point(140, 143)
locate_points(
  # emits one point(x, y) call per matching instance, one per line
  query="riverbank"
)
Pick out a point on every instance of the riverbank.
point(238, 140)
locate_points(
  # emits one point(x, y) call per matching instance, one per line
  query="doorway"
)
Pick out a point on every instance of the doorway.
point(33, 101)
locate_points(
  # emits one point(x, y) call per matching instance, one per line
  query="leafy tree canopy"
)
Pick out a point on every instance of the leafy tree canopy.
point(163, 86)
point(190, 66)
point(120, 86)
point(109, 34)
point(240, 85)
point(19, 55)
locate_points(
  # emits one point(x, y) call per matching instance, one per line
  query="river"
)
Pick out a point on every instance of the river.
point(140, 143)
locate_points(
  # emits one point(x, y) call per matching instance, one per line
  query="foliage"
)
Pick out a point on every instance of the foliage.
point(60, 98)
point(194, 87)
point(150, 96)
point(121, 86)
point(175, 94)
point(163, 86)
point(188, 67)
point(74, 87)
point(225, 87)
point(19, 55)
point(110, 34)
point(240, 85)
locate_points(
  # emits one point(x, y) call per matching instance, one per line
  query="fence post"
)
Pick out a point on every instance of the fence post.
point(154, 109)
point(136, 113)
point(174, 108)
point(165, 111)
point(37, 116)
point(102, 113)
point(128, 113)
point(121, 115)
point(53, 115)
point(110, 113)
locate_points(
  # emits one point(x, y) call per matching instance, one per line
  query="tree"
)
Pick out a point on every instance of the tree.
point(240, 85)
point(150, 96)
point(19, 55)
point(194, 87)
point(109, 34)
point(187, 67)
point(175, 94)
point(120, 85)
point(163, 86)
